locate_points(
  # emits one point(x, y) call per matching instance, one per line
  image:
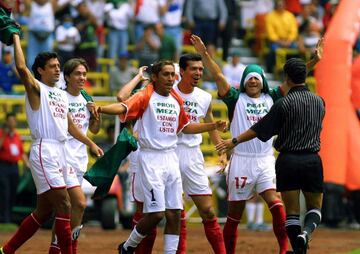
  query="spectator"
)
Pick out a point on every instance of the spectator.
point(97, 9)
point(263, 8)
point(206, 18)
point(208, 79)
point(11, 151)
point(41, 26)
point(167, 49)
point(86, 23)
point(121, 73)
point(67, 37)
point(118, 16)
point(233, 71)
point(172, 23)
point(307, 16)
point(282, 31)
point(228, 31)
point(148, 47)
point(309, 38)
point(147, 12)
point(8, 73)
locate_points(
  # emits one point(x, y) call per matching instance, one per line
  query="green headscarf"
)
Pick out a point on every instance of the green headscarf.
point(257, 69)
point(7, 25)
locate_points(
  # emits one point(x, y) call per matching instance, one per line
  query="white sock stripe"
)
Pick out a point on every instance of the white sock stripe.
point(317, 211)
point(32, 215)
point(60, 218)
point(138, 234)
point(276, 204)
point(292, 223)
point(233, 219)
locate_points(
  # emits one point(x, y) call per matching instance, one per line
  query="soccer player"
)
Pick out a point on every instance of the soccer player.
point(49, 123)
point(75, 71)
point(197, 104)
point(297, 120)
point(160, 114)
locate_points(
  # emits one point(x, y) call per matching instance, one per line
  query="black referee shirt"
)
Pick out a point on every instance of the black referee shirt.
point(296, 119)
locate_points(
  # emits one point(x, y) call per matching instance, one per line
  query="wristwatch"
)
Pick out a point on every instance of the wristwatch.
point(234, 141)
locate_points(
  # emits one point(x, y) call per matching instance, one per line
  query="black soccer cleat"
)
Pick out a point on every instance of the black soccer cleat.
point(302, 242)
point(121, 249)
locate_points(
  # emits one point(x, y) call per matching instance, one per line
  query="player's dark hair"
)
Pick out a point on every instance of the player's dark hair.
point(157, 66)
point(295, 69)
point(183, 62)
point(41, 60)
point(72, 64)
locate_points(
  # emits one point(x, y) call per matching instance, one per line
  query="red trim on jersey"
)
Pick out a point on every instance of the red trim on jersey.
point(72, 187)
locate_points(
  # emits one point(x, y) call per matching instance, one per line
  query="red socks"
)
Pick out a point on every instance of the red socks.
point(54, 249)
point(182, 240)
point(26, 230)
point(63, 233)
point(147, 244)
point(230, 234)
point(278, 217)
point(214, 235)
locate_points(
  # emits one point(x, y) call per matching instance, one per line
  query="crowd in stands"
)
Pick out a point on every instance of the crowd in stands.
point(134, 33)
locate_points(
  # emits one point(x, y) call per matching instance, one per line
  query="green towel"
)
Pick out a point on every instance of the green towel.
point(102, 173)
point(7, 25)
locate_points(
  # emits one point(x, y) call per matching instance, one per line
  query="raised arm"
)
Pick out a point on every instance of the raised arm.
point(222, 85)
point(125, 92)
point(31, 85)
point(317, 56)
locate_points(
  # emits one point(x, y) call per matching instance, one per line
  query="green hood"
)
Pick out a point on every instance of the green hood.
point(254, 68)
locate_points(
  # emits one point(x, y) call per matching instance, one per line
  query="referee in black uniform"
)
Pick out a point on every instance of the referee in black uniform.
point(297, 120)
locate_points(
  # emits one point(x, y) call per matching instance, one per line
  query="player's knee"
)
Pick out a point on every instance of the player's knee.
point(79, 206)
point(63, 206)
point(207, 213)
point(157, 217)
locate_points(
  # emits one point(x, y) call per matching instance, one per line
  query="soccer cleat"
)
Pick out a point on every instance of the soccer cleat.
point(121, 249)
point(302, 242)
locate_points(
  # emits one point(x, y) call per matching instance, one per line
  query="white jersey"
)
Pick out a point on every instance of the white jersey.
point(50, 120)
point(76, 150)
point(196, 105)
point(158, 126)
point(249, 111)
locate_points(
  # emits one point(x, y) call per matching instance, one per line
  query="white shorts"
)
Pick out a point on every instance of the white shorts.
point(248, 175)
point(137, 194)
point(160, 180)
point(48, 165)
point(77, 167)
point(194, 179)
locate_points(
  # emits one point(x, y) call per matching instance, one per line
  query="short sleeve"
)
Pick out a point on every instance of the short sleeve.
point(230, 100)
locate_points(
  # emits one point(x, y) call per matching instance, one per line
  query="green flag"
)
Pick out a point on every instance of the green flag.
point(102, 173)
point(7, 25)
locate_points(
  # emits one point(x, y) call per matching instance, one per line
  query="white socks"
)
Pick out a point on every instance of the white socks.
point(134, 239)
point(170, 243)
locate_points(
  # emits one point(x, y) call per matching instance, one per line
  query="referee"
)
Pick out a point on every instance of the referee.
point(297, 120)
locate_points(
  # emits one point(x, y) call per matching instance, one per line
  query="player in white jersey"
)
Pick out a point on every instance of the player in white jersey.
point(75, 71)
point(197, 104)
point(252, 164)
point(160, 112)
point(49, 123)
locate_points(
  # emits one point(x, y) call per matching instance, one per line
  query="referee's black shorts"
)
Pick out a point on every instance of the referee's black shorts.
point(299, 171)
